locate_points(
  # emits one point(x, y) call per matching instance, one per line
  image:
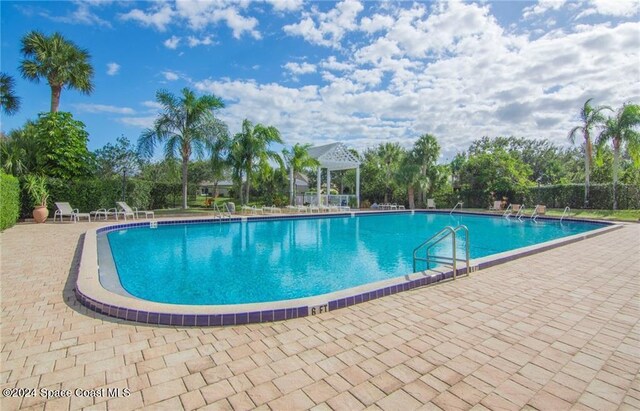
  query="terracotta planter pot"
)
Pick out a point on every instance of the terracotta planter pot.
point(40, 214)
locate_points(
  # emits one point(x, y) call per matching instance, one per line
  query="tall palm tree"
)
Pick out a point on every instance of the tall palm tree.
point(591, 117)
point(9, 102)
point(409, 175)
point(59, 61)
point(187, 124)
point(298, 159)
point(390, 156)
point(426, 151)
point(218, 160)
point(621, 130)
point(250, 147)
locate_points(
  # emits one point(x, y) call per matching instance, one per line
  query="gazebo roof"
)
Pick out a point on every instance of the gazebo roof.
point(334, 156)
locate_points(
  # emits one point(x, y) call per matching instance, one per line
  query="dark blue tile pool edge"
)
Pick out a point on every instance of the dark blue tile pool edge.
point(204, 320)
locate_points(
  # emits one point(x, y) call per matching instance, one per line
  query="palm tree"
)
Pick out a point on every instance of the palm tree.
point(218, 160)
point(620, 130)
point(409, 175)
point(426, 152)
point(19, 150)
point(591, 117)
point(298, 160)
point(187, 124)
point(249, 148)
point(59, 61)
point(9, 102)
point(390, 155)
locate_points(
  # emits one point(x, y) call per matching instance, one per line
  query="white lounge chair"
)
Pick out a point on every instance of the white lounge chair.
point(104, 213)
point(497, 205)
point(64, 209)
point(431, 203)
point(251, 209)
point(133, 212)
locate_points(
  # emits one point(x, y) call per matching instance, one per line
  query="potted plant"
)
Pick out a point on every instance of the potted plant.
point(37, 188)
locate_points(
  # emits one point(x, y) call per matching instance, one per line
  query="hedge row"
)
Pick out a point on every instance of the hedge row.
point(600, 196)
point(554, 196)
point(93, 194)
point(9, 201)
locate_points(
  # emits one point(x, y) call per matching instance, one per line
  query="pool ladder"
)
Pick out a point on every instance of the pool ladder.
point(567, 210)
point(447, 232)
point(220, 214)
point(459, 203)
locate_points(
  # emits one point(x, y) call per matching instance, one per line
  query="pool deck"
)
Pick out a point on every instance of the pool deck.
point(555, 330)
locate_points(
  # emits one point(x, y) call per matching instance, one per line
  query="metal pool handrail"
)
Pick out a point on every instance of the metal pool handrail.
point(447, 231)
point(567, 209)
point(459, 203)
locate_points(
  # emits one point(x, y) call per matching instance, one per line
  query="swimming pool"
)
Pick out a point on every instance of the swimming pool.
point(256, 263)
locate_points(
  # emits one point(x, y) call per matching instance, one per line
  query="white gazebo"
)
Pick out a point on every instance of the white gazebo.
point(335, 157)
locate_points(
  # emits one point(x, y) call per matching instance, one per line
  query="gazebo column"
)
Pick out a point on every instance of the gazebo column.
point(358, 187)
point(328, 184)
point(318, 184)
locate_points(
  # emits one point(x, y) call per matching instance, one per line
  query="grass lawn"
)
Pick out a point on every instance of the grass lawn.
point(620, 215)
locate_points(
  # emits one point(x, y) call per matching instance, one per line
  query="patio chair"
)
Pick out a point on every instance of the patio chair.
point(64, 209)
point(104, 213)
point(497, 205)
point(538, 211)
point(431, 203)
point(250, 209)
point(133, 212)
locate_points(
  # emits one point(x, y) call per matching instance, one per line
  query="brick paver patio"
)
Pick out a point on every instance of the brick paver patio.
point(557, 330)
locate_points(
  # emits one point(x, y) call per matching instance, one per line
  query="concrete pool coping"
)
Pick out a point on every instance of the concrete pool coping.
point(91, 293)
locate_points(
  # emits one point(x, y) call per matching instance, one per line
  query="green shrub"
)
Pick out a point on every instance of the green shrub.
point(9, 201)
point(572, 195)
point(94, 193)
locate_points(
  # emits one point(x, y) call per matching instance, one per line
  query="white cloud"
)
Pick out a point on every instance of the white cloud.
point(204, 41)
point(237, 23)
point(617, 8)
point(102, 108)
point(285, 5)
point(199, 14)
point(139, 122)
point(113, 69)
point(300, 68)
point(154, 105)
point(542, 7)
point(172, 42)
point(376, 23)
point(330, 27)
point(83, 14)
point(332, 63)
point(170, 75)
point(158, 17)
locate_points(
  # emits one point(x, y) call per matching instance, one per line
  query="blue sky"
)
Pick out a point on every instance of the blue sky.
point(359, 72)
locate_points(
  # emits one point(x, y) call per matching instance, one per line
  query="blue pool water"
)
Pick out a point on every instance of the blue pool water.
point(260, 261)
